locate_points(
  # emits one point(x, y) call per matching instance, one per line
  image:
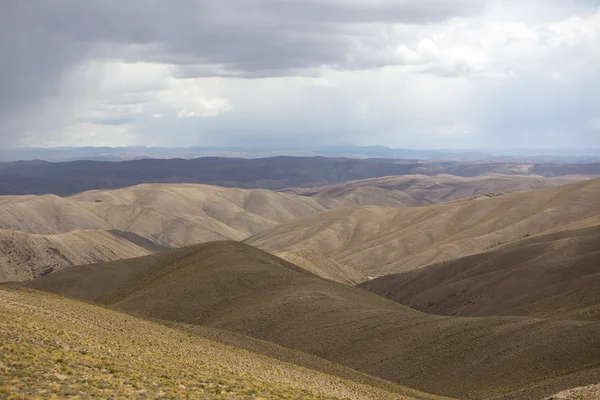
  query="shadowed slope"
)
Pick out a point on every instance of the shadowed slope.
point(555, 275)
point(378, 241)
point(57, 347)
point(236, 287)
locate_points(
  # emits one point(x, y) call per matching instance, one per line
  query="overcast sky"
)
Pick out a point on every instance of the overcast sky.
point(294, 73)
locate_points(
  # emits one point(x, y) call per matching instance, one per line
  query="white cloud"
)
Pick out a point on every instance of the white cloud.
point(197, 107)
point(85, 134)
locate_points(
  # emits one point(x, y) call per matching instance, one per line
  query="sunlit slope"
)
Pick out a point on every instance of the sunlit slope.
point(378, 241)
point(53, 347)
point(26, 256)
point(236, 287)
point(173, 215)
point(414, 190)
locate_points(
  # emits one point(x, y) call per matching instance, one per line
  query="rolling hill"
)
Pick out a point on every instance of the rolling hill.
point(232, 286)
point(172, 215)
point(175, 215)
point(377, 241)
point(419, 190)
point(53, 347)
point(551, 276)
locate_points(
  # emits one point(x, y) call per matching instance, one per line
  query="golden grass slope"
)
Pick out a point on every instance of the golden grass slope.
point(53, 347)
point(233, 286)
point(551, 276)
point(378, 241)
point(26, 256)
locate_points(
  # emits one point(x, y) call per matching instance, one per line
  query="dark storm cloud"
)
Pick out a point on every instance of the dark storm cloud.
point(41, 40)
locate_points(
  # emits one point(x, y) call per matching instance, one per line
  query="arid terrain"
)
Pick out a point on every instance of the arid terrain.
point(63, 231)
point(553, 276)
point(54, 347)
point(414, 287)
point(233, 286)
point(300, 200)
point(377, 241)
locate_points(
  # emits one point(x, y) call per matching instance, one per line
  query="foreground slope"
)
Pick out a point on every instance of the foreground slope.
point(555, 275)
point(239, 288)
point(378, 241)
point(26, 256)
point(57, 347)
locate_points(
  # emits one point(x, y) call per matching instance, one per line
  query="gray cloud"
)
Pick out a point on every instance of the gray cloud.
point(41, 41)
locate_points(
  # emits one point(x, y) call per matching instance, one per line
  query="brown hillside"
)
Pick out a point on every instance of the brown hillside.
point(236, 287)
point(53, 347)
point(378, 241)
point(550, 276)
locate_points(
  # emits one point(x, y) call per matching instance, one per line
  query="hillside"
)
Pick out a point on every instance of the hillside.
point(175, 215)
point(550, 276)
point(57, 347)
point(419, 190)
point(378, 241)
point(26, 256)
point(242, 289)
point(42, 232)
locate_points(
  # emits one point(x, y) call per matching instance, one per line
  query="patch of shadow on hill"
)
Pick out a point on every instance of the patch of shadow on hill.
point(140, 241)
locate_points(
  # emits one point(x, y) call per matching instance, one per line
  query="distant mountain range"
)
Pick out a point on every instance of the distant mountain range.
point(275, 173)
point(349, 151)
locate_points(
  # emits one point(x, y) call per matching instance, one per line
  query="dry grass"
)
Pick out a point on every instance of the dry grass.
point(233, 286)
point(52, 347)
point(591, 392)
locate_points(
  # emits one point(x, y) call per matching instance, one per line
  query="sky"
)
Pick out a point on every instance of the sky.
point(300, 73)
